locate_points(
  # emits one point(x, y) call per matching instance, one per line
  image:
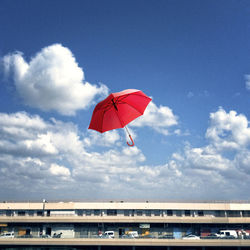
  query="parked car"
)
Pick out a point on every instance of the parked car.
point(109, 234)
point(45, 236)
point(127, 236)
point(7, 235)
point(210, 236)
point(103, 236)
point(228, 234)
point(191, 237)
point(134, 234)
point(55, 235)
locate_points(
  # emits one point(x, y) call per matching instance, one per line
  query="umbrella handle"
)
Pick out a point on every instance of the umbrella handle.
point(131, 145)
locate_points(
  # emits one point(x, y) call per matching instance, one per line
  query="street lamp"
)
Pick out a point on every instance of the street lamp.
point(44, 201)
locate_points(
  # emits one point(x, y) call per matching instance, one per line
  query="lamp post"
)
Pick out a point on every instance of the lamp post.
point(44, 201)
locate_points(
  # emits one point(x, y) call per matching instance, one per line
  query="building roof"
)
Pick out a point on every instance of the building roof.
point(213, 205)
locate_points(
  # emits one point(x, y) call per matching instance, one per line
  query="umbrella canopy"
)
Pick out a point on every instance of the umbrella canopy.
point(118, 109)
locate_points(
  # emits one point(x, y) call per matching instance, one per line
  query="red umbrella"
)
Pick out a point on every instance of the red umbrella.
point(119, 109)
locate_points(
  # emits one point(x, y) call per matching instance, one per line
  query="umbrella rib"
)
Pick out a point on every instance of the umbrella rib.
point(131, 107)
point(106, 107)
point(120, 99)
point(120, 120)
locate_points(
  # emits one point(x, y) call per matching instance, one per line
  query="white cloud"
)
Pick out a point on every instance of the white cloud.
point(108, 138)
point(227, 151)
point(228, 130)
point(52, 80)
point(57, 162)
point(59, 170)
point(45, 153)
point(242, 161)
point(158, 118)
point(205, 158)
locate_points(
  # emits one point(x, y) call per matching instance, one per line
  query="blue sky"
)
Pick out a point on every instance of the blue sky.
point(60, 58)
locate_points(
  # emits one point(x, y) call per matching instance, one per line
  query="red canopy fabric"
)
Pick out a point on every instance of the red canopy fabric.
point(118, 109)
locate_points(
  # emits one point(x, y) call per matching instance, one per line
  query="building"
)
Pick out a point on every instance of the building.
point(152, 220)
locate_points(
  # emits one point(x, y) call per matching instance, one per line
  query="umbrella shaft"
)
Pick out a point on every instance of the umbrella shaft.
point(127, 130)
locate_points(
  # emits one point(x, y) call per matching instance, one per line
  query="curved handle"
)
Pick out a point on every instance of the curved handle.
point(131, 145)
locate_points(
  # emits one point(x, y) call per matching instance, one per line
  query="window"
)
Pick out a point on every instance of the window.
point(139, 212)
point(97, 212)
point(219, 213)
point(111, 212)
point(39, 213)
point(233, 213)
point(31, 213)
point(21, 213)
point(187, 213)
point(178, 213)
point(126, 212)
point(200, 213)
point(80, 212)
point(148, 212)
point(169, 212)
point(88, 212)
point(157, 212)
point(8, 213)
point(246, 213)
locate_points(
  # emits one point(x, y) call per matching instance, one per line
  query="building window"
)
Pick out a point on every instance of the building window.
point(233, 213)
point(219, 213)
point(178, 213)
point(148, 212)
point(97, 212)
point(139, 213)
point(88, 212)
point(157, 212)
point(39, 213)
point(80, 212)
point(21, 213)
point(111, 212)
point(126, 212)
point(169, 212)
point(200, 213)
point(187, 213)
point(8, 213)
point(246, 213)
point(31, 213)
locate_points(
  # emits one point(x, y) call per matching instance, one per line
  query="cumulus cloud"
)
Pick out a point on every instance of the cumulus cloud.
point(228, 130)
point(158, 118)
point(59, 170)
point(52, 80)
point(44, 155)
point(206, 158)
point(52, 158)
point(228, 148)
point(108, 138)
